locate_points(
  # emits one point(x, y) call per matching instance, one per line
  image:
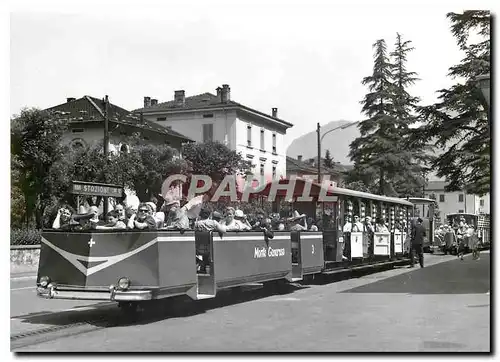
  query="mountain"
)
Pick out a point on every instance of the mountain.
point(337, 142)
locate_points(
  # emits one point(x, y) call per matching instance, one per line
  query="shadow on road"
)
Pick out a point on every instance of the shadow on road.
point(456, 276)
point(157, 310)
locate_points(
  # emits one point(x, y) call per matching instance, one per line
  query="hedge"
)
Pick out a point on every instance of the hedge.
point(25, 237)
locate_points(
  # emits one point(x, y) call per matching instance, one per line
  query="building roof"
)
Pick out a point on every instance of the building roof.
point(91, 109)
point(206, 101)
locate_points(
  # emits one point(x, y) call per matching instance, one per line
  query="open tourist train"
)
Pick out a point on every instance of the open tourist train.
point(133, 266)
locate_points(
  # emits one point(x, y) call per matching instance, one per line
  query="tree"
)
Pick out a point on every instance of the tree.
point(458, 123)
point(328, 161)
point(216, 160)
point(35, 145)
point(376, 152)
point(414, 153)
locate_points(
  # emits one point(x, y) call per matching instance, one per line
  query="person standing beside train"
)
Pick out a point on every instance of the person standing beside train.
point(417, 242)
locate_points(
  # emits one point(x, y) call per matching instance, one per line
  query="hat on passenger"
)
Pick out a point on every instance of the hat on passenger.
point(216, 216)
point(296, 216)
point(151, 205)
point(239, 213)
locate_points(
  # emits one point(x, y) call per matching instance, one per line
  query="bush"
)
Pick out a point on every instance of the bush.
point(25, 237)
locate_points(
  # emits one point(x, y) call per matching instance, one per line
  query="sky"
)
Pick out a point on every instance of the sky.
point(306, 59)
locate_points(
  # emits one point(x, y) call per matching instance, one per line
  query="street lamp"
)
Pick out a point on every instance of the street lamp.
point(320, 139)
point(483, 82)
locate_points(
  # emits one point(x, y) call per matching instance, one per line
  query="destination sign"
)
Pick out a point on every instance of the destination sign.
point(96, 189)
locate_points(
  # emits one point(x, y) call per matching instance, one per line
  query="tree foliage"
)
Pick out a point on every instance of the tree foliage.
point(214, 159)
point(458, 123)
point(35, 146)
point(328, 160)
point(384, 161)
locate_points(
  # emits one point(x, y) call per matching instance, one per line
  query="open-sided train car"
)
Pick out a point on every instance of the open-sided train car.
point(145, 265)
point(132, 266)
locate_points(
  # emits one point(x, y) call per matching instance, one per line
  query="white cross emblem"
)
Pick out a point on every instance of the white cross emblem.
point(91, 242)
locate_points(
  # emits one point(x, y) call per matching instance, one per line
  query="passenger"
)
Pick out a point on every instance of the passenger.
point(312, 224)
point(142, 220)
point(95, 212)
point(63, 219)
point(229, 221)
point(357, 226)
point(367, 226)
point(347, 225)
point(206, 224)
point(241, 219)
point(217, 216)
point(177, 218)
point(83, 220)
point(295, 222)
point(114, 223)
point(381, 227)
point(256, 224)
point(122, 216)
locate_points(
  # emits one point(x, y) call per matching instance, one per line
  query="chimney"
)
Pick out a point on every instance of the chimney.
point(275, 112)
point(299, 157)
point(70, 100)
point(219, 93)
point(147, 102)
point(226, 93)
point(179, 98)
point(154, 102)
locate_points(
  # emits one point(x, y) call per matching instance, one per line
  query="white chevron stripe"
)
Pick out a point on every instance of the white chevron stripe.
point(109, 260)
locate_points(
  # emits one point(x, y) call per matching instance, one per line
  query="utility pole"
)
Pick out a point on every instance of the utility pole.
point(318, 131)
point(106, 145)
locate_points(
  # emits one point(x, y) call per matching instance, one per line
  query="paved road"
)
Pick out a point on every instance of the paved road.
point(441, 308)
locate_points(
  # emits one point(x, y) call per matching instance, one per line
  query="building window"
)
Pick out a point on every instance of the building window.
point(161, 118)
point(208, 115)
point(441, 198)
point(274, 142)
point(461, 198)
point(274, 172)
point(124, 148)
point(460, 211)
point(481, 202)
point(249, 135)
point(262, 140)
point(208, 132)
point(262, 169)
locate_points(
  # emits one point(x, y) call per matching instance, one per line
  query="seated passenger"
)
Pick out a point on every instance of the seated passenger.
point(230, 222)
point(217, 216)
point(120, 209)
point(357, 226)
point(242, 221)
point(206, 224)
point(113, 222)
point(142, 220)
point(295, 222)
point(63, 219)
point(381, 227)
point(177, 218)
point(84, 220)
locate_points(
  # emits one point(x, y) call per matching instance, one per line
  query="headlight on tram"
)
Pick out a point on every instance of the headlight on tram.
point(44, 281)
point(123, 283)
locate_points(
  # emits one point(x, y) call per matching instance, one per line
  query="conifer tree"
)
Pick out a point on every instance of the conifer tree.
point(328, 161)
point(414, 154)
point(376, 152)
point(458, 124)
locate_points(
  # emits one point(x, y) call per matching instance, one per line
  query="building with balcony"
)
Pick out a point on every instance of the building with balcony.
point(258, 136)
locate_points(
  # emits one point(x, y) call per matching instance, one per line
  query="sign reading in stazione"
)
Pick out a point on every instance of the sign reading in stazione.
point(96, 189)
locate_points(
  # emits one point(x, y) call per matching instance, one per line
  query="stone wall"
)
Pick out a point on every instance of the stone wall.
point(24, 258)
